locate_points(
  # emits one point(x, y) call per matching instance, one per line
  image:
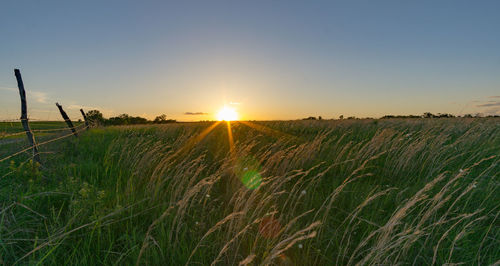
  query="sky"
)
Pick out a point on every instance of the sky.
point(267, 59)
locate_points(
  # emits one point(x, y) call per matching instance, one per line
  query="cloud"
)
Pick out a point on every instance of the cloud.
point(195, 113)
point(78, 107)
point(40, 97)
point(37, 96)
point(489, 104)
point(492, 111)
point(491, 107)
point(234, 103)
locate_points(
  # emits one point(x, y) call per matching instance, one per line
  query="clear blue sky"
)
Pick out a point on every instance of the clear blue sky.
point(275, 59)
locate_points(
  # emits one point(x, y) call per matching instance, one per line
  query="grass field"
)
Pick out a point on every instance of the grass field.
point(15, 127)
point(395, 191)
point(14, 130)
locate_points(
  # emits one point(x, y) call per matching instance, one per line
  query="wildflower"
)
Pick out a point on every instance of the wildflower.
point(303, 192)
point(461, 170)
point(300, 246)
point(101, 194)
point(208, 195)
point(196, 223)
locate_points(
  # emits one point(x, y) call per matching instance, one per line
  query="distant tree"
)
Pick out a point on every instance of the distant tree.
point(341, 117)
point(95, 117)
point(125, 119)
point(320, 118)
point(468, 116)
point(428, 115)
point(445, 115)
point(310, 118)
point(160, 119)
point(351, 117)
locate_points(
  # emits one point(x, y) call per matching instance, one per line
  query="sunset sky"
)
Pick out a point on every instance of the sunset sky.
point(266, 59)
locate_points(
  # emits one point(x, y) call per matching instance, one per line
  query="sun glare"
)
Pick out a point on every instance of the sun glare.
point(227, 114)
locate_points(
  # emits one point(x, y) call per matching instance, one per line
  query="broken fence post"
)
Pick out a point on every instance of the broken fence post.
point(66, 119)
point(24, 116)
point(85, 119)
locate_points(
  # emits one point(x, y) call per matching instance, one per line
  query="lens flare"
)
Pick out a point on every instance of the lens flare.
point(247, 169)
point(251, 179)
point(269, 227)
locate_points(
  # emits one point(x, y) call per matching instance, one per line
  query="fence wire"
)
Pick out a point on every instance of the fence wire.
point(38, 130)
point(43, 143)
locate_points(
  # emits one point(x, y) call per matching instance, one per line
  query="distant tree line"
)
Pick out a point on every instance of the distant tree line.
point(96, 117)
point(424, 115)
point(313, 118)
point(438, 115)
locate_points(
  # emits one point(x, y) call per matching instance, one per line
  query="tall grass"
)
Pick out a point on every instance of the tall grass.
point(421, 191)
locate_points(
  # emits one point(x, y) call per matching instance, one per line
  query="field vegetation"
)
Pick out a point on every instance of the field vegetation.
point(391, 191)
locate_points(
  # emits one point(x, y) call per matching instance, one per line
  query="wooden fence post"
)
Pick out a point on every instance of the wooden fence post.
point(24, 115)
point(85, 119)
point(66, 119)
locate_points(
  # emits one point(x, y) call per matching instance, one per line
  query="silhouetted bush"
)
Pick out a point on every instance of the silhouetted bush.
point(125, 119)
point(162, 119)
point(95, 117)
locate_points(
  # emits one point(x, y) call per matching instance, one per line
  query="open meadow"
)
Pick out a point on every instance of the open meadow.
point(386, 191)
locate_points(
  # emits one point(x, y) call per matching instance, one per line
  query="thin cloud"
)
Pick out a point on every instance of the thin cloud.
point(234, 103)
point(78, 107)
point(38, 96)
point(494, 97)
point(195, 113)
point(491, 104)
point(492, 111)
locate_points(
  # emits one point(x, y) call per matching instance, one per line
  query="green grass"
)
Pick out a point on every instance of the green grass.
point(407, 191)
point(14, 127)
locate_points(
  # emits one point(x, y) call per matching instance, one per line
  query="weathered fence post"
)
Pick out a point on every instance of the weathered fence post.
point(85, 119)
point(24, 116)
point(66, 119)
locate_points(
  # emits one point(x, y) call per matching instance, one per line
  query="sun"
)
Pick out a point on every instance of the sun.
point(227, 114)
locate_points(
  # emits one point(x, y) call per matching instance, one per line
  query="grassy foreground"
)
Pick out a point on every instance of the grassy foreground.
point(417, 191)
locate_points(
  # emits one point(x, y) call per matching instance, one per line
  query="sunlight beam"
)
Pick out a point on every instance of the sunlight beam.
point(230, 137)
